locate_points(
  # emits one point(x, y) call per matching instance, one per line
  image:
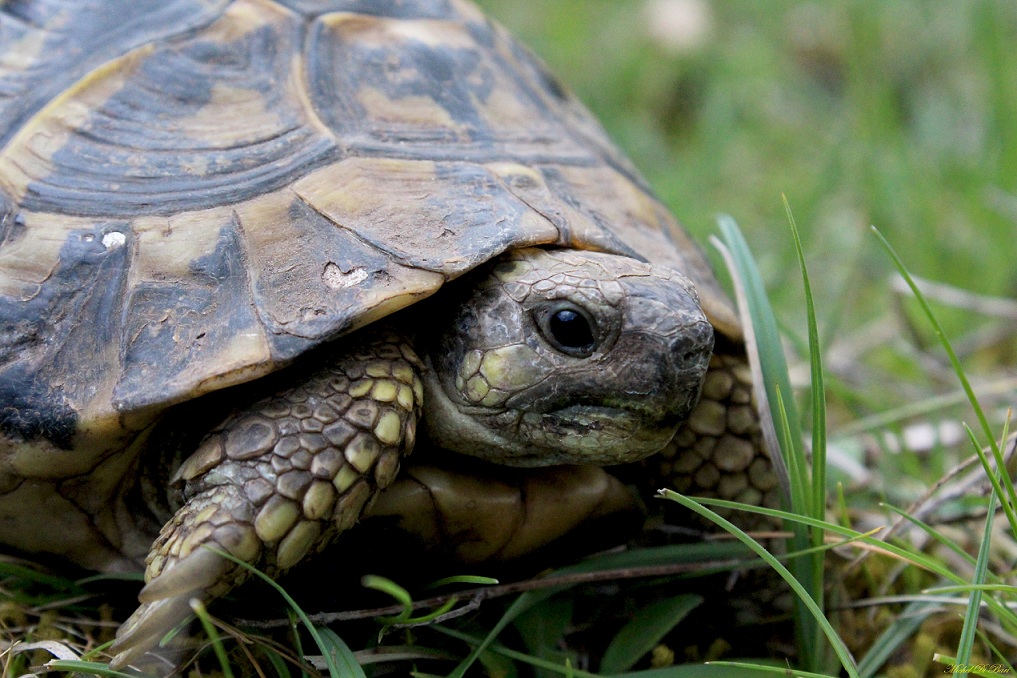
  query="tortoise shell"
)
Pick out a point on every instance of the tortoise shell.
point(195, 192)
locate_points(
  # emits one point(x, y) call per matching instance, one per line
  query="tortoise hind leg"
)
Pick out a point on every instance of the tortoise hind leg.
point(278, 481)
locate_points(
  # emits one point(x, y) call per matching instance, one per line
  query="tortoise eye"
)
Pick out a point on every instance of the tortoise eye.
point(569, 329)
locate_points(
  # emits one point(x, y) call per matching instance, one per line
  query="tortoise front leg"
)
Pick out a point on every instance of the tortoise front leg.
point(278, 481)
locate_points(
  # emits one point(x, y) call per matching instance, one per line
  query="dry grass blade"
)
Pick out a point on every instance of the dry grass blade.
point(1000, 307)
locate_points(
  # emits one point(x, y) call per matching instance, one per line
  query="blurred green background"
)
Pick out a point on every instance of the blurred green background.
point(901, 115)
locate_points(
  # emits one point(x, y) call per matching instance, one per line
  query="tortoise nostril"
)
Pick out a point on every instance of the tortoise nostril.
point(693, 346)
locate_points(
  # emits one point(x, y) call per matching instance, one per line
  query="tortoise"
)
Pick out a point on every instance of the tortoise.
point(254, 252)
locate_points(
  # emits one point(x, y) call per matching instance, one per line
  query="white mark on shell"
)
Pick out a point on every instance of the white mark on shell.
point(113, 240)
point(335, 278)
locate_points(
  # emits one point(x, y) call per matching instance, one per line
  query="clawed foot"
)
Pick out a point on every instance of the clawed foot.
point(186, 564)
point(165, 602)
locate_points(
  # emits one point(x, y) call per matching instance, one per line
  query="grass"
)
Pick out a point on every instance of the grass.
point(897, 114)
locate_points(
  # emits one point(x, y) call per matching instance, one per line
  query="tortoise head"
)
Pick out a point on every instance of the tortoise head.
point(561, 356)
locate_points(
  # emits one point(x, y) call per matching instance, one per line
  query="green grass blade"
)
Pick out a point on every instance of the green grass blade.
point(338, 654)
point(967, 638)
point(471, 579)
point(671, 554)
point(486, 644)
point(763, 330)
point(524, 602)
point(916, 558)
point(543, 627)
point(1005, 491)
point(843, 654)
point(797, 466)
point(817, 498)
point(932, 532)
point(665, 555)
point(403, 597)
point(562, 668)
point(645, 631)
point(967, 588)
point(56, 582)
point(93, 668)
point(994, 476)
point(778, 670)
point(213, 636)
point(389, 587)
point(277, 662)
point(900, 631)
point(913, 557)
point(791, 466)
point(1011, 492)
point(998, 654)
point(350, 668)
point(298, 645)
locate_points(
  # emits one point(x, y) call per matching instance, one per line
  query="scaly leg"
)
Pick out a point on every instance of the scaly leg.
point(278, 481)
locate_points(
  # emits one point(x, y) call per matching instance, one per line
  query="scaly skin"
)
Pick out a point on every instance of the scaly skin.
point(280, 480)
point(584, 358)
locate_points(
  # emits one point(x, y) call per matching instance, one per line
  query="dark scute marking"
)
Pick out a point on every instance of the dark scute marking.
point(82, 297)
point(286, 347)
point(159, 145)
point(455, 79)
point(226, 262)
point(483, 33)
point(397, 9)
point(534, 131)
point(552, 83)
point(12, 224)
point(77, 38)
point(176, 326)
point(31, 409)
point(49, 342)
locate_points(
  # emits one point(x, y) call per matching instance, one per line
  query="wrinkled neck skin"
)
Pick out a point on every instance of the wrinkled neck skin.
point(566, 357)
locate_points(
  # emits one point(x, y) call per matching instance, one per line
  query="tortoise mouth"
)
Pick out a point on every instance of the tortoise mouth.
point(591, 417)
point(638, 410)
point(582, 433)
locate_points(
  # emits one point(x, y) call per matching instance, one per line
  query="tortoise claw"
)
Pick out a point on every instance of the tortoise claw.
point(145, 628)
point(200, 570)
point(165, 602)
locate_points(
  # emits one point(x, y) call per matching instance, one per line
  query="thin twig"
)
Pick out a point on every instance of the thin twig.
point(478, 595)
